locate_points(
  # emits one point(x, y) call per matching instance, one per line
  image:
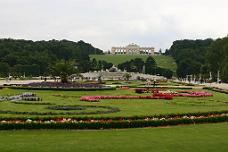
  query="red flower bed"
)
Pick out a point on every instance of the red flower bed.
point(156, 95)
point(97, 98)
point(163, 96)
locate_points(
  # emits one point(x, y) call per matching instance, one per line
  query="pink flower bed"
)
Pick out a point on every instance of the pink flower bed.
point(97, 98)
point(194, 94)
point(165, 96)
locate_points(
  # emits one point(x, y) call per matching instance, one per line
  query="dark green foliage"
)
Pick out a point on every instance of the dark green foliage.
point(111, 124)
point(217, 57)
point(4, 69)
point(85, 118)
point(101, 64)
point(164, 72)
point(63, 69)
point(136, 65)
point(190, 56)
point(34, 58)
point(150, 65)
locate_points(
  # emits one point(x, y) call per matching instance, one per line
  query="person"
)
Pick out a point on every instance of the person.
point(154, 83)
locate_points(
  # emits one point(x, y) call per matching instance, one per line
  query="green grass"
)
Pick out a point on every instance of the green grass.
point(200, 138)
point(128, 107)
point(161, 60)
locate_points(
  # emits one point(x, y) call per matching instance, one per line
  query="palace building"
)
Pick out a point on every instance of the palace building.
point(133, 49)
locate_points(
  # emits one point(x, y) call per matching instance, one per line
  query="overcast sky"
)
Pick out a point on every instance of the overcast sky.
point(107, 23)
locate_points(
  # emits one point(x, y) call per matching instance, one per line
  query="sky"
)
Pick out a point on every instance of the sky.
point(107, 23)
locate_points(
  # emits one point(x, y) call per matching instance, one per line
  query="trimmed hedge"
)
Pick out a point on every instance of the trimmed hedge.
point(63, 89)
point(216, 90)
point(67, 107)
point(166, 116)
point(112, 124)
point(109, 110)
point(32, 103)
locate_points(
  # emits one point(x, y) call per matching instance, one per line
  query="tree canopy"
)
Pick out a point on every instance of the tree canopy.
point(217, 58)
point(190, 56)
point(34, 58)
point(137, 65)
point(199, 57)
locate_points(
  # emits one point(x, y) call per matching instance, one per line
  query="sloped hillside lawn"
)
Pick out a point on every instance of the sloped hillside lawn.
point(162, 61)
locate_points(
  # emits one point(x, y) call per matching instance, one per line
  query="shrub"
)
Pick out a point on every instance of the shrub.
point(109, 124)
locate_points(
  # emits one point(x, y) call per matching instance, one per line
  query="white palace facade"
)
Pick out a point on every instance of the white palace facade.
point(133, 49)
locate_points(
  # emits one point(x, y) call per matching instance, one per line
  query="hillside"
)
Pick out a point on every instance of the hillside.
point(34, 58)
point(161, 60)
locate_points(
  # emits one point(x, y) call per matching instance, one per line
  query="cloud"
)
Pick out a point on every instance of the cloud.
point(106, 23)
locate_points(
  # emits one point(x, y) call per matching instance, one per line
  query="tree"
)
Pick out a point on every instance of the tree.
point(63, 70)
point(4, 68)
point(139, 63)
point(26, 53)
point(150, 65)
point(217, 57)
point(134, 65)
point(190, 55)
point(94, 64)
point(127, 76)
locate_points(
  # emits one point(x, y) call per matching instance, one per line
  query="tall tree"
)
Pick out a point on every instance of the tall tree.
point(193, 51)
point(150, 65)
point(63, 70)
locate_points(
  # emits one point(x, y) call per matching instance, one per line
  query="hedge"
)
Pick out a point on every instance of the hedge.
point(166, 116)
point(63, 89)
point(109, 109)
point(216, 90)
point(32, 103)
point(112, 124)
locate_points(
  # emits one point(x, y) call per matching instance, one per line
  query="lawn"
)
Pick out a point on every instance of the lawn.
point(200, 138)
point(161, 60)
point(128, 107)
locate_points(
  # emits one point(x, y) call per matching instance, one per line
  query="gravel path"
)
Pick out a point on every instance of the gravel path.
point(218, 85)
point(2, 82)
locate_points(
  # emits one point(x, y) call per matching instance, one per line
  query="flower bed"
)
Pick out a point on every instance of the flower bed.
point(194, 94)
point(28, 96)
point(97, 98)
point(141, 90)
point(62, 86)
point(69, 123)
point(167, 95)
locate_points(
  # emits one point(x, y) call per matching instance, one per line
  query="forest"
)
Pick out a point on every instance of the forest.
point(201, 57)
point(35, 58)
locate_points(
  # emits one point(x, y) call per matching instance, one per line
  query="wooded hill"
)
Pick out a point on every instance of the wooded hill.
point(199, 57)
point(34, 58)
